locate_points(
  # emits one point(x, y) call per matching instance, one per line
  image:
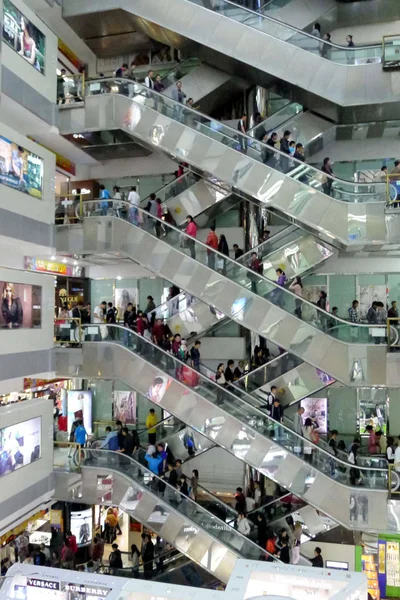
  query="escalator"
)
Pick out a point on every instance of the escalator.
point(352, 218)
point(262, 46)
point(348, 352)
point(234, 423)
point(211, 543)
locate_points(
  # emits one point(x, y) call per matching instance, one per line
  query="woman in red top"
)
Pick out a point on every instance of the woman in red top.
point(191, 229)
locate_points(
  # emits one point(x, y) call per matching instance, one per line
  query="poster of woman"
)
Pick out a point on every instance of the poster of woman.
point(124, 406)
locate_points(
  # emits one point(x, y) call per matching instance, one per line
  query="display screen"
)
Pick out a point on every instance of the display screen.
point(20, 169)
point(79, 406)
point(23, 36)
point(21, 305)
point(20, 445)
point(82, 527)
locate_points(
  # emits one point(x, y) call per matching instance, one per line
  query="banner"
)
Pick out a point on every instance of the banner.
point(20, 169)
point(23, 36)
point(68, 53)
point(124, 407)
point(21, 305)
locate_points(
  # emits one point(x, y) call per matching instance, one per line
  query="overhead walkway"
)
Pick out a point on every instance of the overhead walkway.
point(347, 352)
point(347, 77)
point(353, 219)
point(233, 422)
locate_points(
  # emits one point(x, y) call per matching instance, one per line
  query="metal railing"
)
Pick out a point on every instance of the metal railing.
point(394, 479)
point(70, 88)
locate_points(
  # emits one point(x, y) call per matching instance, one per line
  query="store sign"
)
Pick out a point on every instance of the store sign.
point(98, 592)
point(48, 266)
point(43, 583)
point(68, 53)
point(65, 164)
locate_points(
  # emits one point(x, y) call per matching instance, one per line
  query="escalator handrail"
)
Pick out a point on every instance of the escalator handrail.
point(261, 414)
point(179, 493)
point(276, 237)
point(185, 175)
point(228, 259)
point(295, 29)
point(200, 487)
point(235, 133)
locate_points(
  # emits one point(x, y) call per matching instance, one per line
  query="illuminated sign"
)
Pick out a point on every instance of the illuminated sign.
point(85, 589)
point(48, 266)
point(43, 583)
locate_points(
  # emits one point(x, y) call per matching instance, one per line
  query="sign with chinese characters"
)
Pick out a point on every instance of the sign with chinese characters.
point(393, 564)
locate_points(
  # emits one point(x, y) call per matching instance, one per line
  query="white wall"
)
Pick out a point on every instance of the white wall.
point(155, 164)
point(222, 348)
point(340, 552)
point(126, 270)
point(15, 483)
point(41, 209)
point(44, 84)
point(27, 340)
point(346, 264)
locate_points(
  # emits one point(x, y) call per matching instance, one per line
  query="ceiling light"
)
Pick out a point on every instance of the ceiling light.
point(64, 260)
point(75, 262)
point(119, 277)
point(52, 257)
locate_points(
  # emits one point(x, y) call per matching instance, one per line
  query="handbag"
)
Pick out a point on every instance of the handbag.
point(219, 263)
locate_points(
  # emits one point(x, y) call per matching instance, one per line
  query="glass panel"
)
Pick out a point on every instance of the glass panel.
point(346, 191)
point(239, 404)
point(244, 276)
point(275, 121)
point(143, 480)
point(268, 372)
point(339, 54)
point(174, 188)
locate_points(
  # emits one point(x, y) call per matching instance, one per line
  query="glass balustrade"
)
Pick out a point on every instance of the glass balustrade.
point(263, 375)
point(264, 22)
point(345, 191)
point(235, 402)
point(142, 479)
point(275, 121)
point(242, 275)
point(174, 188)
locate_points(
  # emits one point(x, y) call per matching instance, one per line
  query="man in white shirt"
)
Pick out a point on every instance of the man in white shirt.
point(98, 316)
point(133, 197)
point(148, 80)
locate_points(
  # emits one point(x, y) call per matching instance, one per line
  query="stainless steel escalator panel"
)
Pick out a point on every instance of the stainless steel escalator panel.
point(343, 84)
point(297, 383)
point(169, 522)
point(348, 363)
point(195, 200)
point(108, 360)
point(347, 224)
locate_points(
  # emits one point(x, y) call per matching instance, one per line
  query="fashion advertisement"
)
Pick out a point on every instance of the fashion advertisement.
point(20, 445)
point(79, 404)
point(158, 388)
point(316, 409)
point(122, 298)
point(20, 169)
point(82, 527)
point(21, 305)
point(23, 36)
point(124, 407)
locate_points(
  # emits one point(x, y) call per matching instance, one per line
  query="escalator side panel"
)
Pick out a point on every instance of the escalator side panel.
point(340, 223)
point(339, 359)
point(112, 361)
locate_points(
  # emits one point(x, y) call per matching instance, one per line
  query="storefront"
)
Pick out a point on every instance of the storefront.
point(38, 388)
point(381, 563)
point(32, 531)
point(70, 284)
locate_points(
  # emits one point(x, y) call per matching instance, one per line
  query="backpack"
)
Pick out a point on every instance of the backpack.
point(113, 443)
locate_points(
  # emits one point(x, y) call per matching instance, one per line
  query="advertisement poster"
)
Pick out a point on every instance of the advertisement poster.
point(368, 294)
point(21, 305)
point(392, 564)
point(124, 407)
point(372, 414)
point(122, 299)
point(23, 36)
point(158, 388)
point(82, 526)
point(79, 406)
point(20, 169)
point(20, 445)
point(316, 409)
point(370, 568)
